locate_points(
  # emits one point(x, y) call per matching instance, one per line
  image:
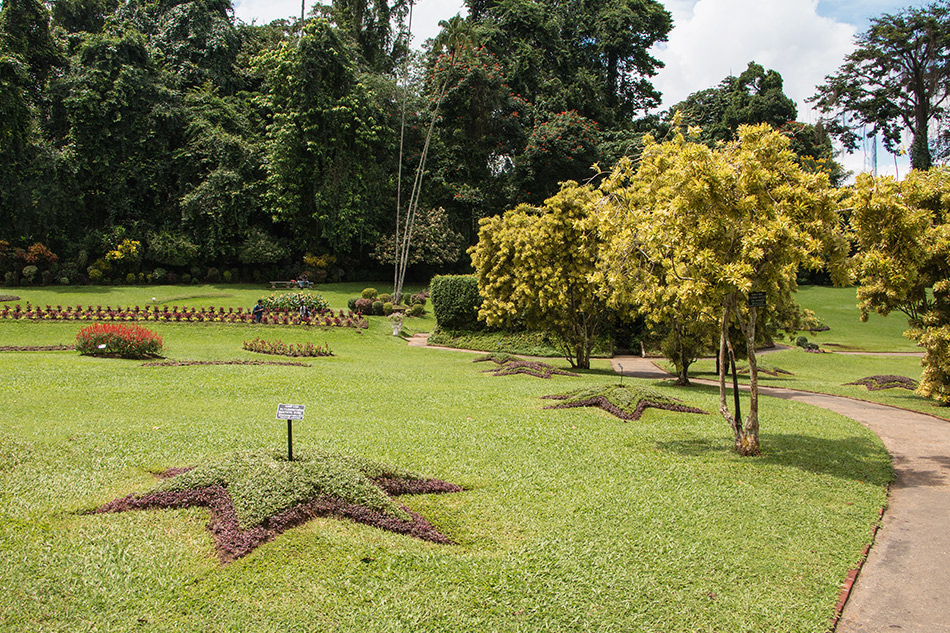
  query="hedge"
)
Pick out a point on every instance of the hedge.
point(455, 302)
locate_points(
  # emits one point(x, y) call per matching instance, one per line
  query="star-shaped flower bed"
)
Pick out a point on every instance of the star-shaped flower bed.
point(879, 383)
point(528, 367)
point(498, 359)
point(625, 402)
point(762, 368)
point(254, 496)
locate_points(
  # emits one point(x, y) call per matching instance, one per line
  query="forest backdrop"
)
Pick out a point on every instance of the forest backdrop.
point(163, 140)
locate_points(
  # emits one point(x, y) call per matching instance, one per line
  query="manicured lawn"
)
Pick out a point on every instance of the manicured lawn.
point(837, 308)
point(570, 519)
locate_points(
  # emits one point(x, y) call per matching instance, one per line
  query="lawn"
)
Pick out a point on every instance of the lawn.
point(837, 308)
point(569, 519)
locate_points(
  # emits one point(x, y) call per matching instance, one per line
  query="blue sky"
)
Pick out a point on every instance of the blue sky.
point(804, 40)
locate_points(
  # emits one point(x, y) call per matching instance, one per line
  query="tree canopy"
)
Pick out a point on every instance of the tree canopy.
point(693, 231)
point(897, 80)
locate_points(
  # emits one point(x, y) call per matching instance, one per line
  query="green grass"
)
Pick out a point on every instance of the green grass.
point(828, 373)
point(570, 519)
point(837, 308)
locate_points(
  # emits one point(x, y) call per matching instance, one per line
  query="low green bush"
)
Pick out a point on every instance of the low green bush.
point(368, 293)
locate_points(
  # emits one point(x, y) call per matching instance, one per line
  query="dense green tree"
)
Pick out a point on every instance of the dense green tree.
point(754, 97)
point(123, 121)
point(83, 15)
point(221, 173)
point(25, 33)
point(373, 25)
point(898, 79)
point(329, 141)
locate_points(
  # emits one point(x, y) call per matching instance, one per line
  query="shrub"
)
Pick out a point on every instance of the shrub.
point(351, 304)
point(418, 298)
point(313, 302)
point(363, 306)
point(171, 249)
point(801, 341)
point(385, 298)
point(213, 276)
point(455, 301)
point(368, 293)
point(378, 308)
point(186, 278)
point(387, 307)
point(130, 279)
point(9, 278)
point(29, 273)
point(227, 276)
point(260, 248)
point(416, 310)
point(159, 275)
point(124, 341)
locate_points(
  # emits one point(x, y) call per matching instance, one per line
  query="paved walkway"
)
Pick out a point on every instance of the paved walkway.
point(905, 582)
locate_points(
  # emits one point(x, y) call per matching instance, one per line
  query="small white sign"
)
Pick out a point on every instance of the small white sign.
point(290, 411)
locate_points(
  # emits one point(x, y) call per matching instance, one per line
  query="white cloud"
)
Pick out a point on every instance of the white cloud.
point(712, 39)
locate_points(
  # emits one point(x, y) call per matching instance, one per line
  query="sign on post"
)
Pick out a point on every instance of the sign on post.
point(290, 412)
point(756, 299)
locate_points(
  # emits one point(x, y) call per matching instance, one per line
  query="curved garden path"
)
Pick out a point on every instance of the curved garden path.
point(905, 583)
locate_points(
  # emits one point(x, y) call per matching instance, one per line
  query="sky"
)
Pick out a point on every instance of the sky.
point(804, 40)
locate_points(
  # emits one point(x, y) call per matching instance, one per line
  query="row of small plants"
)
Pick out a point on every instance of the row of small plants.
point(280, 348)
point(275, 316)
point(123, 341)
point(370, 302)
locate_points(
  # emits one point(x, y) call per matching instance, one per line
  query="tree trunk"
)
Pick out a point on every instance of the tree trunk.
point(748, 442)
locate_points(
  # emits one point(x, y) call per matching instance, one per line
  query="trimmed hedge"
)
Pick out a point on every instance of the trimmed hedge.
point(455, 302)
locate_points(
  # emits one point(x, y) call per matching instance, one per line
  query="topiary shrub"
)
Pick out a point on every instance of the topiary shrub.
point(385, 298)
point(351, 304)
point(387, 307)
point(363, 306)
point(417, 310)
point(213, 275)
point(113, 339)
point(418, 298)
point(801, 341)
point(455, 302)
point(368, 293)
point(378, 308)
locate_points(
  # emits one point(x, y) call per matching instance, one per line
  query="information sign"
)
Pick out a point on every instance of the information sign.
point(290, 411)
point(756, 299)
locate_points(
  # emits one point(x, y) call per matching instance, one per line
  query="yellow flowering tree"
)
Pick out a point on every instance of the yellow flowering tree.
point(903, 262)
point(534, 264)
point(692, 232)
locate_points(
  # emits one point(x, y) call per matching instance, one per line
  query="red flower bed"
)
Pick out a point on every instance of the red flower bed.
point(327, 318)
point(124, 341)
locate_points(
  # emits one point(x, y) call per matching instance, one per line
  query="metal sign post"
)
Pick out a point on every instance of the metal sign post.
point(290, 412)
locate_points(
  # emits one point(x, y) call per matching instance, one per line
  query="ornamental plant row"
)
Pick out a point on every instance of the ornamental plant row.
point(283, 316)
point(287, 349)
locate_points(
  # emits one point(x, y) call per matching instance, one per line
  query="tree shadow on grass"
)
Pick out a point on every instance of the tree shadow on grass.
point(855, 458)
